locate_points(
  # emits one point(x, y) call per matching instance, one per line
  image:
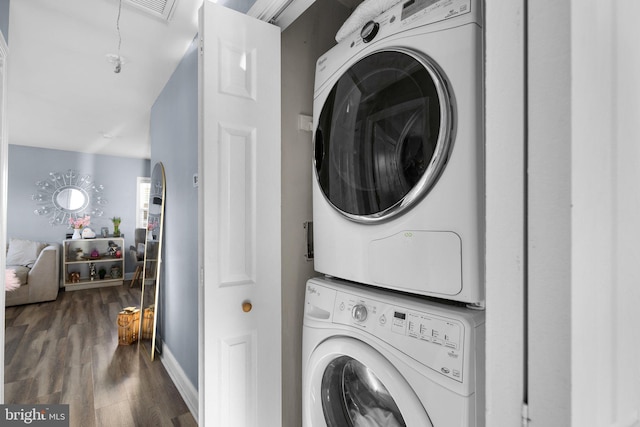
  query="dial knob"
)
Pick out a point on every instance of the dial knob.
point(359, 312)
point(369, 31)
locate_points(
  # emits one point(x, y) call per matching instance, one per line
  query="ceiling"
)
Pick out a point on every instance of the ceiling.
point(62, 90)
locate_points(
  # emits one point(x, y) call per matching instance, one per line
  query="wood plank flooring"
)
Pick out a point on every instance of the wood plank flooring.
point(66, 351)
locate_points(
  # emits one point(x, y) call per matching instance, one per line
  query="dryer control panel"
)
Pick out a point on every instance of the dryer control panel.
point(431, 339)
point(407, 15)
point(430, 11)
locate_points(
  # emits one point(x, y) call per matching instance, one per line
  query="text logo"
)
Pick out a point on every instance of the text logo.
point(34, 415)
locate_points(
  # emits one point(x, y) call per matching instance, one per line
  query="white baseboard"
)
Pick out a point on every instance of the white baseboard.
point(184, 386)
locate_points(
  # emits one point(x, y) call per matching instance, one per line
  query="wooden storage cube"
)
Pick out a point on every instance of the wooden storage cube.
point(128, 325)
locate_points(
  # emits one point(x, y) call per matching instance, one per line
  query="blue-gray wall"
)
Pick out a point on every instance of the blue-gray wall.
point(4, 19)
point(174, 142)
point(27, 165)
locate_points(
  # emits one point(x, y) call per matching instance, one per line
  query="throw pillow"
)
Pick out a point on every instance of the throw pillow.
point(11, 281)
point(24, 252)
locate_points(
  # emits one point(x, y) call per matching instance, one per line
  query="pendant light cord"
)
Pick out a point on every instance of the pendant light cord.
point(119, 60)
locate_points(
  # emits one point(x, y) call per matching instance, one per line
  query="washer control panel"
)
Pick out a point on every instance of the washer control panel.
point(431, 339)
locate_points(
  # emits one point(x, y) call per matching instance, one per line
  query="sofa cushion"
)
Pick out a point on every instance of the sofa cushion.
point(24, 252)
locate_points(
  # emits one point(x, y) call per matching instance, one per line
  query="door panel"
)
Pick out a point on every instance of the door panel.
point(239, 193)
point(238, 381)
point(237, 214)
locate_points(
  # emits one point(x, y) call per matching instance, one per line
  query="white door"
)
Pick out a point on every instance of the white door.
point(239, 204)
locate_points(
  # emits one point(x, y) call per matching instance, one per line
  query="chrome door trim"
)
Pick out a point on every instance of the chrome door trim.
point(443, 147)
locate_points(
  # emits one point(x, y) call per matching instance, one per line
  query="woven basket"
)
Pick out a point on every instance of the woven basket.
point(128, 325)
point(147, 323)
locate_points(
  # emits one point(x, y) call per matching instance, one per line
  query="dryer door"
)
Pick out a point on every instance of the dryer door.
point(349, 384)
point(383, 135)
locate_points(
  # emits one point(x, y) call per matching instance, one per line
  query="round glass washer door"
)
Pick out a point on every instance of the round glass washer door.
point(383, 135)
point(349, 384)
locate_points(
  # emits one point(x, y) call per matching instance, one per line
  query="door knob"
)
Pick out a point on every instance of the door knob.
point(246, 306)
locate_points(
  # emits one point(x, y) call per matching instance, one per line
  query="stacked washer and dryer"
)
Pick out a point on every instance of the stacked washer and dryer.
point(392, 332)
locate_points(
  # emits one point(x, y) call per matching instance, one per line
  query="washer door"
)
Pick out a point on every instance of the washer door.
point(383, 135)
point(350, 384)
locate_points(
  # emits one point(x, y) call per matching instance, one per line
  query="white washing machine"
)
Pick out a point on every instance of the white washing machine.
point(377, 358)
point(398, 191)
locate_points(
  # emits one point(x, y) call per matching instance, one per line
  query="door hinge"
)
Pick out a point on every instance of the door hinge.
point(525, 414)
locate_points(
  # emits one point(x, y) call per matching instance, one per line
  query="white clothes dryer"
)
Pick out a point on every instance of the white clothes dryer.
point(398, 189)
point(374, 357)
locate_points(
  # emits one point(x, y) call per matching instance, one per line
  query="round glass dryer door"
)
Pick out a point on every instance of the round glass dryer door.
point(383, 135)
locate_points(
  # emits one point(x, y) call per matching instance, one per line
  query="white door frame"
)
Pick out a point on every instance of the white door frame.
point(4, 165)
point(505, 120)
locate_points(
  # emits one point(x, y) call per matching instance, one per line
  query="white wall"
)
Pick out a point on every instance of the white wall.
point(584, 187)
point(625, 370)
point(302, 43)
point(549, 212)
point(605, 160)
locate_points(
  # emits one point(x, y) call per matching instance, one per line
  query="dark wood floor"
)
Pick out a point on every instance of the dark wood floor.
point(67, 351)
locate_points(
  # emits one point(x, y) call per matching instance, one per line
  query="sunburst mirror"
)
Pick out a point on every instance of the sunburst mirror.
point(67, 195)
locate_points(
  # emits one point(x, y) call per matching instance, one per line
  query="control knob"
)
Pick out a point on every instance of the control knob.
point(359, 312)
point(369, 31)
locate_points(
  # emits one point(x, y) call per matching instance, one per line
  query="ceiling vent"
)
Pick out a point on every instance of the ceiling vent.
point(159, 8)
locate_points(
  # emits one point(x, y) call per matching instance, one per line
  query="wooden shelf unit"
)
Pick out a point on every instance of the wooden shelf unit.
point(70, 263)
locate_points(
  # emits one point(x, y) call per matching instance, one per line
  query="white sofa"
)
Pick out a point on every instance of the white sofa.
point(37, 266)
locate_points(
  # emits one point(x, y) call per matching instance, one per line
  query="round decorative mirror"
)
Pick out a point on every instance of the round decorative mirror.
point(71, 199)
point(67, 195)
